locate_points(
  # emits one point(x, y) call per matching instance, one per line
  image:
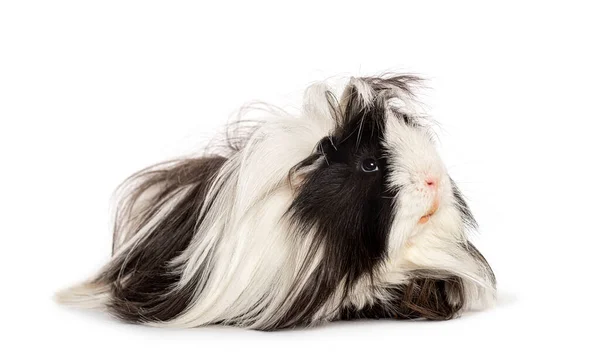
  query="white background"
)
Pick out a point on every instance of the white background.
point(93, 91)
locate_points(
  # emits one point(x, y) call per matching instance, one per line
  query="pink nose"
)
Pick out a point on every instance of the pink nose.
point(431, 182)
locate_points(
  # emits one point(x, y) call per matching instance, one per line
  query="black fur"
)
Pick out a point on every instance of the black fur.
point(351, 210)
point(462, 206)
point(141, 280)
point(423, 297)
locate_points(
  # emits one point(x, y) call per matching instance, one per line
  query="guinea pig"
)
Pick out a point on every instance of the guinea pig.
point(341, 211)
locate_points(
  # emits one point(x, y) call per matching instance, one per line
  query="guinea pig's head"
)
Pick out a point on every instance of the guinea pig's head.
point(376, 179)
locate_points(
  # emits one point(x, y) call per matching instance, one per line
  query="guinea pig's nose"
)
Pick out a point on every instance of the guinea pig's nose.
point(432, 183)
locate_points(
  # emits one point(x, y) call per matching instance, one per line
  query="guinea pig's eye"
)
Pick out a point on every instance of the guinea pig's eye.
point(369, 165)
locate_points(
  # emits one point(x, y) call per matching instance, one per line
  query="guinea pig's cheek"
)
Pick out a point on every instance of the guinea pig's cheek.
point(407, 245)
point(408, 255)
point(408, 250)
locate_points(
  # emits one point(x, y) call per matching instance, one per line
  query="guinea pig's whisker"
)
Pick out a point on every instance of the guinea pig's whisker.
point(360, 131)
point(350, 135)
point(332, 144)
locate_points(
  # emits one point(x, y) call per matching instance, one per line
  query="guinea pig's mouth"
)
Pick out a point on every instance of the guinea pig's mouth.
point(431, 211)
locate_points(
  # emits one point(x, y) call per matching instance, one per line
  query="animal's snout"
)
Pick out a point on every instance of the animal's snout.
point(428, 183)
point(430, 186)
point(432, 183)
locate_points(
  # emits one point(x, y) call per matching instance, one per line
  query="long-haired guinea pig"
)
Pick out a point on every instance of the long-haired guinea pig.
point(342, 211)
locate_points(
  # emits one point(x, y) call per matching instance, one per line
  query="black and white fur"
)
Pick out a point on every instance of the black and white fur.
point(307, 218)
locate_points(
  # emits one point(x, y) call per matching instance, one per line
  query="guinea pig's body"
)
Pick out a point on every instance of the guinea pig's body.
point(345, 211)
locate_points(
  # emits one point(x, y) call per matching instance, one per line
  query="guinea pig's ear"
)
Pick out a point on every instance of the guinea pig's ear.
point(320, 104)
point(357, 96)
point(304, 168)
